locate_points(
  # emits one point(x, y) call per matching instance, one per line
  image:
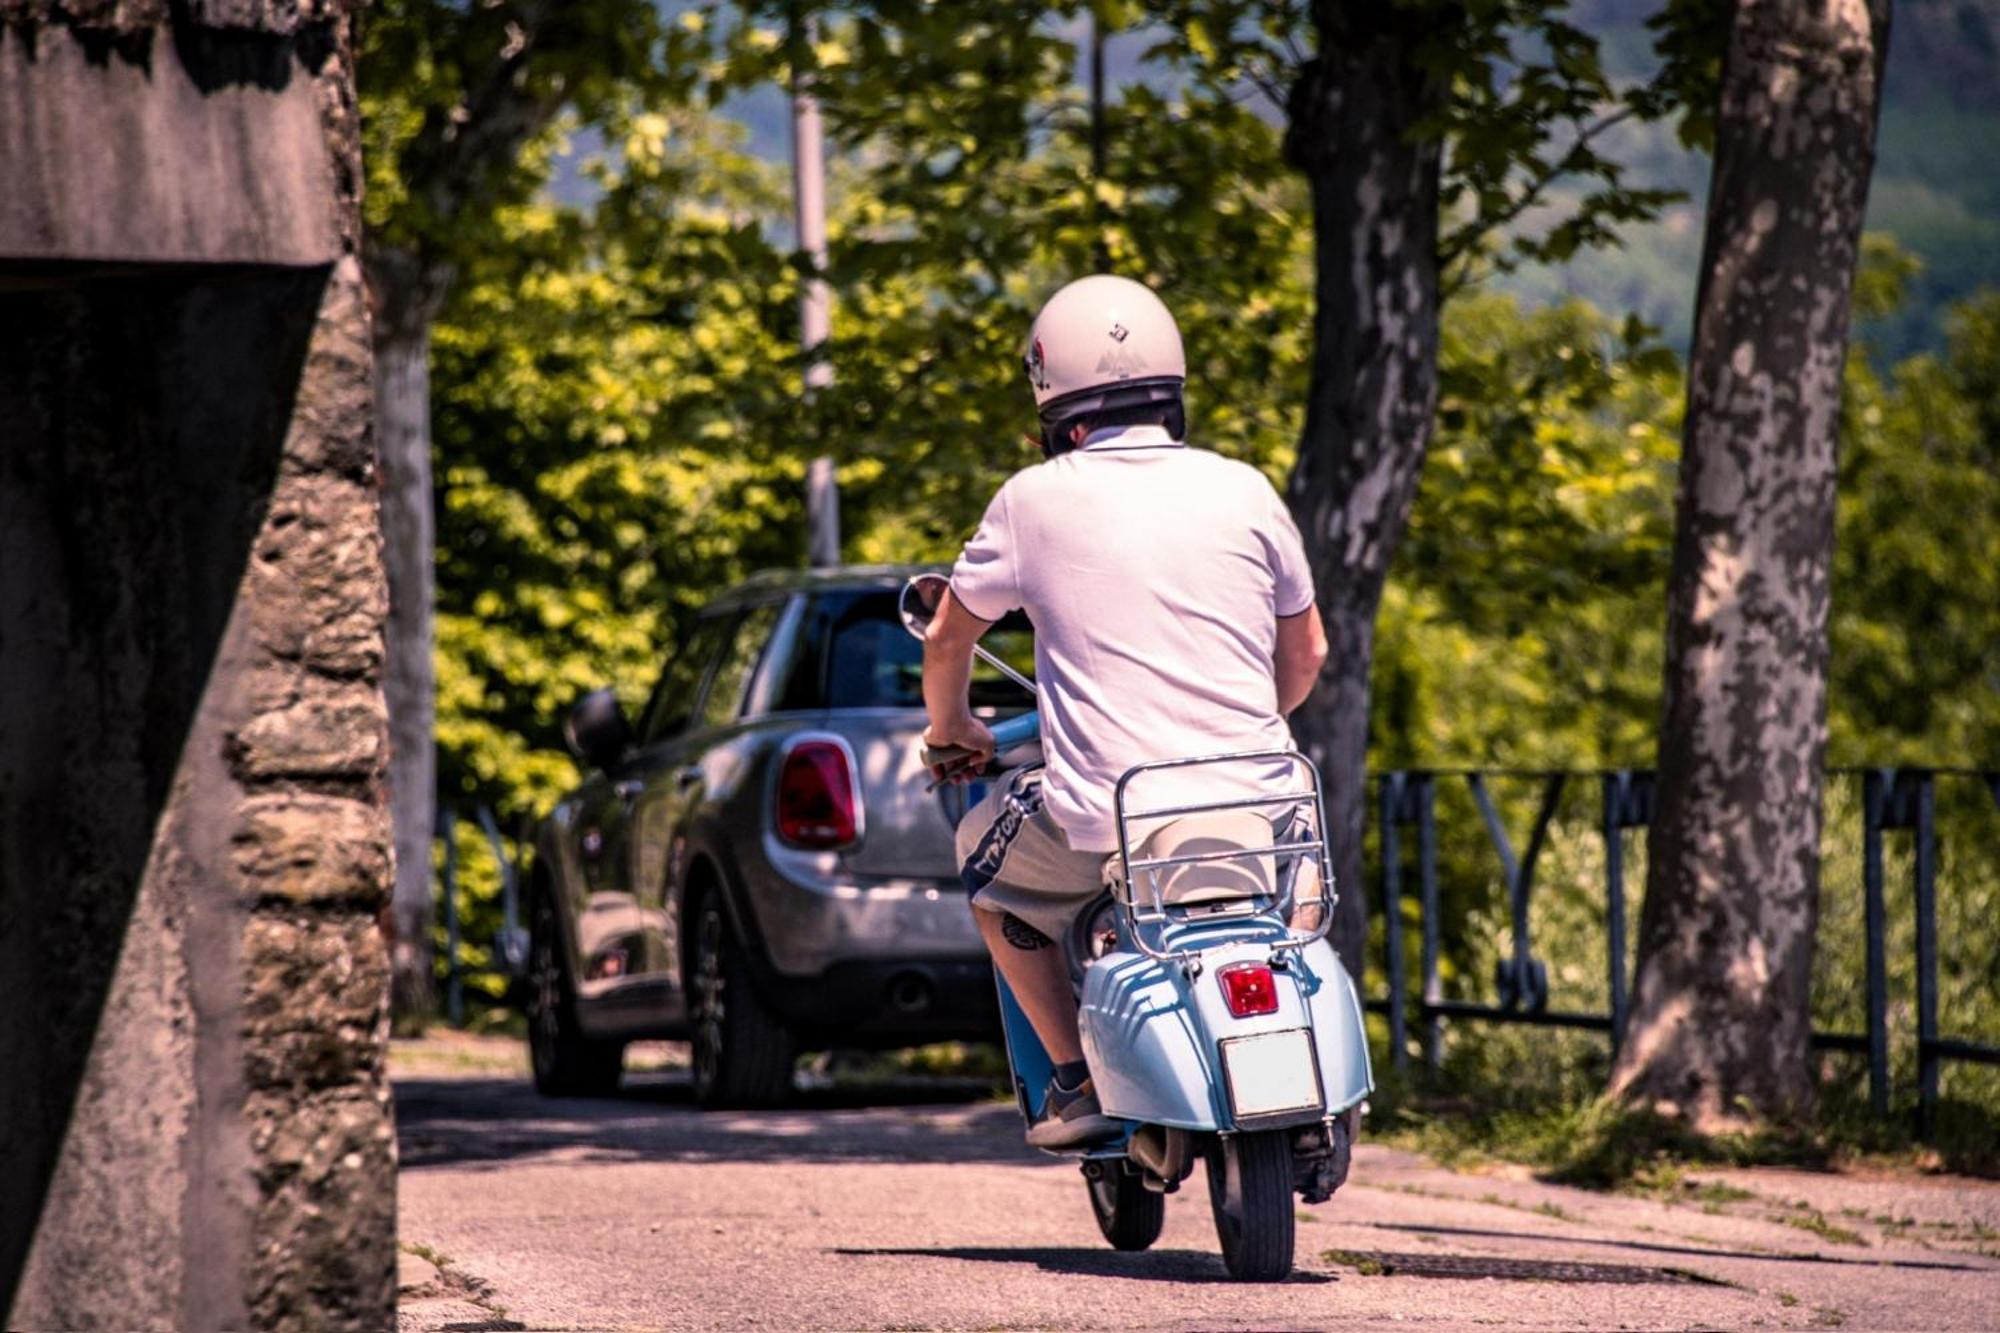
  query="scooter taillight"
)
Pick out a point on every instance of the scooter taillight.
point(1249, 989)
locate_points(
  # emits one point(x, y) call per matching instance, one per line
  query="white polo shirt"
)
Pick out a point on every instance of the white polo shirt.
point(1155, 575)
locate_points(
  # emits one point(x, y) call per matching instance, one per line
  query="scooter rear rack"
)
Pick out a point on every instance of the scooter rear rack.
point(1159, 915)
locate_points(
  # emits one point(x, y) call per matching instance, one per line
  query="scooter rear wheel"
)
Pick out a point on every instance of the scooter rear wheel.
point(1130, 1215)
point(1250, 1192)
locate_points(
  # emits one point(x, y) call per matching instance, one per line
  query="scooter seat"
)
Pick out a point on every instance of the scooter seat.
point(1211, 881)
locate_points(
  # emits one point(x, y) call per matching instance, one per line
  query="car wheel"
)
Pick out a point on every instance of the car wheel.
point(743, 1054)
point(566, 1063)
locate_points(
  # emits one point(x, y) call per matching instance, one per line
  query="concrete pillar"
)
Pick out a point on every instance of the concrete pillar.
point(193, 845)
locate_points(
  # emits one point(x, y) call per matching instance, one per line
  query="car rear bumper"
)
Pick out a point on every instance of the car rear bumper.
point(891, 1002)
point(867, 960)
point(811, 916)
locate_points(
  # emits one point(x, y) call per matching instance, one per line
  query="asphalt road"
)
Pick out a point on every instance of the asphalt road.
point(917, 1207)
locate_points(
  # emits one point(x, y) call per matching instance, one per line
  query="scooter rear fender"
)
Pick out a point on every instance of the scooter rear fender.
point(1151, 1032)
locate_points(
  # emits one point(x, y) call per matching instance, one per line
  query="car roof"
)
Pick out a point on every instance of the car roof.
point(773, 584)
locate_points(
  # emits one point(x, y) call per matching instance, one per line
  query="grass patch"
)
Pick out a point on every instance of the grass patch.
point(1464, 1118)
point(1815, 1221)
point(429, 1255)
point(1593, 1144)
point(1786, 1299)
point(1360, 1263)
point(1554, 1210)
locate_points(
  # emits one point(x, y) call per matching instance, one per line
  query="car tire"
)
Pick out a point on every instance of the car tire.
point(566, 1063)
point(742, 1052)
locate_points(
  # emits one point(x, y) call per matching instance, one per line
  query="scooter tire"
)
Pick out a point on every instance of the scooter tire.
point(1130, 1215)
point(1250, 1192)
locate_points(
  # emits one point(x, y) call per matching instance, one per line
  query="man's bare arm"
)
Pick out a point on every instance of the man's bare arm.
point(948, 677)
point(1301, 653)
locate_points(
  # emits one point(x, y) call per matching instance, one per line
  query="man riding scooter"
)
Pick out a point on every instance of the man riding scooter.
point(1174, 615)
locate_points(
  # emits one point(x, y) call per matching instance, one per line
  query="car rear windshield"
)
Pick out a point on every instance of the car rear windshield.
point(853, 652)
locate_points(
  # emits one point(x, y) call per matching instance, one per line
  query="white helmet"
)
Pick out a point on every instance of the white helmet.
point(1100, 344)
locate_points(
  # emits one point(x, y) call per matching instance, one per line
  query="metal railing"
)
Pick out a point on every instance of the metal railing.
point(510, 941)
point(1893, 801)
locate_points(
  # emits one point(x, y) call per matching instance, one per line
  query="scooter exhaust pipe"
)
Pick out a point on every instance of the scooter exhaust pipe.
point(1164, 1154)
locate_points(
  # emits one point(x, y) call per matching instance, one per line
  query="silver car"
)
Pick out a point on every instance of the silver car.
point(756, 865)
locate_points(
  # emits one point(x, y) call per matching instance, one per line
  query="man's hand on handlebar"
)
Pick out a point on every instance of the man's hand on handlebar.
point(959, 751)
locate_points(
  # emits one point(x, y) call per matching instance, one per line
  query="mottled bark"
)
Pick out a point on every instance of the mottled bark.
point(1720, 1019)
point(407, 297)
point(1374, 372)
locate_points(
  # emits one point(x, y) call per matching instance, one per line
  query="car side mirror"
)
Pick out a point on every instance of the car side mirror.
point(596, 730)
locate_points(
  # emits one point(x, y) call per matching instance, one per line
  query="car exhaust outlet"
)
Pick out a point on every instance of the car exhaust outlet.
point(911, 993)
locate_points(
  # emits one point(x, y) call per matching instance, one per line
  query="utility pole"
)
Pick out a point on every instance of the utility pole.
point(815, 299)
point(1096, 97)
point(1101, 248)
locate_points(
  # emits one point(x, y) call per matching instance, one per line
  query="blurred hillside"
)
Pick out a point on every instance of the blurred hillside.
point(1937, 178)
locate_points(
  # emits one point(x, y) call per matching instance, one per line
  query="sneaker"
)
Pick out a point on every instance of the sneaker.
point(1071, 1117)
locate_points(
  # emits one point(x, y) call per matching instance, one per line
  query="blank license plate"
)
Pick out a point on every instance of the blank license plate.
point(1272, 1073)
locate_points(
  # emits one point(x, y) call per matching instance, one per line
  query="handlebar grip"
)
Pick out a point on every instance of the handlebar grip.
point(1014, 731)
point(1017, 730)
point(946, 756)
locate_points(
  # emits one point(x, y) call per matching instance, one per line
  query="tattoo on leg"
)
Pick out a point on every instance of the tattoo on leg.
point(1022, 935)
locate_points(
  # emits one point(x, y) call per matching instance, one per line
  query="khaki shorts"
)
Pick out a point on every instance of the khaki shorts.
point(1015, 859)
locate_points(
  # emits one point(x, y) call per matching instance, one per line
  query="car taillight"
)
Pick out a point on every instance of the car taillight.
point(1249, 989)
point(816, 798)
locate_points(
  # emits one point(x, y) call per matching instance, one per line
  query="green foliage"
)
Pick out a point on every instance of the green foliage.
point(1691, 37)
point(615, 392)
point(1537, 553)
point(1916, 610)
point(966, 197)
point(455, 99)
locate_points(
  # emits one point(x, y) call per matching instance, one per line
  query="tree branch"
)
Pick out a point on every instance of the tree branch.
point(456, 153)
point(1468, 236)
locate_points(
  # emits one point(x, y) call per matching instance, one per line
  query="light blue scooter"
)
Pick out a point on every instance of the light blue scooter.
point(1212, 1026)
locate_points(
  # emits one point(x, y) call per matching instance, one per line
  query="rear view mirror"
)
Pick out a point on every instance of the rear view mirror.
point(596, 730)
point(922, 596)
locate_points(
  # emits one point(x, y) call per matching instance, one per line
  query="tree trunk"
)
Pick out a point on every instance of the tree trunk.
point(407, 298)
point(1721, 1019)
point(1374, 373)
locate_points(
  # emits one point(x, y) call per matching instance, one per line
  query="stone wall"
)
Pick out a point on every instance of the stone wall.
point(194, 848)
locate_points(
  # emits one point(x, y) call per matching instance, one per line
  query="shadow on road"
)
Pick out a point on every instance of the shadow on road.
point(462, 1122)
point(1767, 1256)
point(1177, 1266)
